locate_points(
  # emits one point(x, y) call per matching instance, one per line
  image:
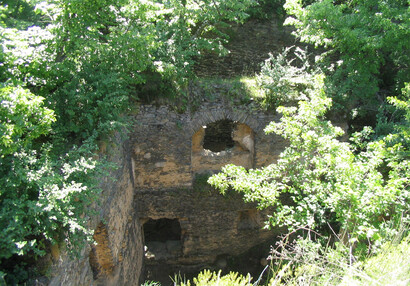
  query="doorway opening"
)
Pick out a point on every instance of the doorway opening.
point(162, 238)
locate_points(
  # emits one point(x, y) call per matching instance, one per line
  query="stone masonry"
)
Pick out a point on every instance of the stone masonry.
point(170, 167)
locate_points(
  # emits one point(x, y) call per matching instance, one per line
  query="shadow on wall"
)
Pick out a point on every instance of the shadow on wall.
point(100, 257)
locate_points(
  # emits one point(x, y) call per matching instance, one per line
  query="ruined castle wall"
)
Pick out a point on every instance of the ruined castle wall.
point(118, 256)
point(157, 178)
point(161, 148)
point(166, 149)
point(170, 167)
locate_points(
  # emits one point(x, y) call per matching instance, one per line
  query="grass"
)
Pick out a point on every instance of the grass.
point(308, 263)
point(253, 88)
point(239, 90)
point(391, 266)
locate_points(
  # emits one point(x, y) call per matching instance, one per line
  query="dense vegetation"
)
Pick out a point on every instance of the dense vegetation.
point(357, 192)
point(71, 68)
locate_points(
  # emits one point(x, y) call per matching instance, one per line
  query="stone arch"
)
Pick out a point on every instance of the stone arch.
point(239, 151)
point(205, 117)
point(242, 137)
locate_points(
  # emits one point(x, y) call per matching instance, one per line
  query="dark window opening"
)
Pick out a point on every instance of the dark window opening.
point(162, 230)
point(218, 136)
point(162, 239)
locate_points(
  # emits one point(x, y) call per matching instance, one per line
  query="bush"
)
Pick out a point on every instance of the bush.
point(284, 80)
point(43, 195)
point(315, 262)
point(323, 179)
point(208, 278)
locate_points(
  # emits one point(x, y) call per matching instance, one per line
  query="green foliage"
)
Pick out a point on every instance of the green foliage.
point(389, 266)
point(151, 283)
point(88, 64)
point(318, 177)
point(308, 262)
point(367, 44)
point(43, 195)
point(283, 80)
point(200, 183)
point(398, 140)
point(70, 70)
point(208, 278)
point(18, 14)
point(267, 9)
point(361, 187)
point(239, 90)
point(188, 28)
point(23, 119)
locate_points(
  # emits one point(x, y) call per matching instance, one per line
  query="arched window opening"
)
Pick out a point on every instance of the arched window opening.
point(218, 135)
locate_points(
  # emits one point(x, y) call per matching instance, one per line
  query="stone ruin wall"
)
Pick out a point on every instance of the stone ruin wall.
point(161, 178)
point(156, 180)
point(168, 157)
point(166, 145)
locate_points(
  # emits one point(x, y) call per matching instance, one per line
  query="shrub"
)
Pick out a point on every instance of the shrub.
point(43, 195)
point(284, 80)
point(208, 278)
